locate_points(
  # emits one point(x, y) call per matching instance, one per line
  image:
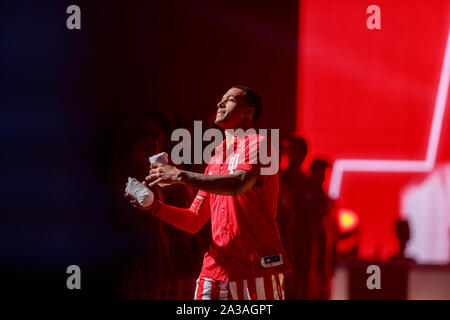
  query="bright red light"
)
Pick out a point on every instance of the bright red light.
point(348, 220)
point(376, 103)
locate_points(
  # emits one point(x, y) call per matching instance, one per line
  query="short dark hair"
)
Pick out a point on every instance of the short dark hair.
point(253, 100)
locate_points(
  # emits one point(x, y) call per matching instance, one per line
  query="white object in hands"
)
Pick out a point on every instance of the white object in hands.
point(141, 193)
point(161, 158)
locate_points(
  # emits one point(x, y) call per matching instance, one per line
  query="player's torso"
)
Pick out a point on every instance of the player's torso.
point(248, 221)
point(244, 230)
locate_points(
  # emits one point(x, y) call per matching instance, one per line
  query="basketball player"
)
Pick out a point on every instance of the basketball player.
point(246, 259)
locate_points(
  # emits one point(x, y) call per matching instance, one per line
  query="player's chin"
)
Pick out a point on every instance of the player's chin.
point(220, 119)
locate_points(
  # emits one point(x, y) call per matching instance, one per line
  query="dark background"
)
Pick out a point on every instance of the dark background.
point(66, 96)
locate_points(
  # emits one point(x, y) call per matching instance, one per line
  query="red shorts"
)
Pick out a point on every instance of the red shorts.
point(270, 287)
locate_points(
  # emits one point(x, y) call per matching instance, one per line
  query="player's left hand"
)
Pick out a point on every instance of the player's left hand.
point(162, 173)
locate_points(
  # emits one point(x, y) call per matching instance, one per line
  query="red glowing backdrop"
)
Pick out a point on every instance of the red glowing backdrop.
point(371, 94)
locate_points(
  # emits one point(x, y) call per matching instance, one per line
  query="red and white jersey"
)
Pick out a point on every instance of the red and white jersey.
point(245, 238)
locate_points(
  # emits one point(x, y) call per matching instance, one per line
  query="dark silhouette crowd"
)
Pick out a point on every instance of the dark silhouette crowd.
point(307, 223)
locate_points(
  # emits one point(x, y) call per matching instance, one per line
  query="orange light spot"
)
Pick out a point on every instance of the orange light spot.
point(348, 220)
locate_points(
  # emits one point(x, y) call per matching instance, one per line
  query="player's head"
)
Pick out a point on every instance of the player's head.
point(239, 106)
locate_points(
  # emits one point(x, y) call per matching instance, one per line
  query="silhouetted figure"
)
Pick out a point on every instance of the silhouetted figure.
point(402, 232)
point(397, 268)
point(139, 270)
point(159, 265)
point(324, 231)
point(293, 219)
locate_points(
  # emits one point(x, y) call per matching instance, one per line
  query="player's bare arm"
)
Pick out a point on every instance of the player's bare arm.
point(228, 184)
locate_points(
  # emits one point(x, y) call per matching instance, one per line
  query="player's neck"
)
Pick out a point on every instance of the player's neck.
point(229, 138)
point(230, 134)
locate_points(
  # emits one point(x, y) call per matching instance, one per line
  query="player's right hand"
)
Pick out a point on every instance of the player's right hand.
point(133, 201)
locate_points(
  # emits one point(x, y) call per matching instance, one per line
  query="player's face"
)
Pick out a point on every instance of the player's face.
point(232, 109)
